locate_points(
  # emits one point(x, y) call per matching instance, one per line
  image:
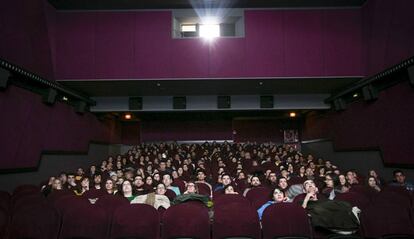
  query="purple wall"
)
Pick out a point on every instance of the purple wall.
point(385, 124)
point(258, 130)
point(24, 36)
point(166, 130)
point(388, 28)
point(134, 45)
point(29, 127)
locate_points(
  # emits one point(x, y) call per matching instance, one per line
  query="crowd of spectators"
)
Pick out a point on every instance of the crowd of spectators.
point(170, 173)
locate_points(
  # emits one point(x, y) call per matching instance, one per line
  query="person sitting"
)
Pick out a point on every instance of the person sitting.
point(372, 184)
point(191, 194)
point(332, 186)
point(110, 187)
point(400, 180)
point(225, 180)
point(97, 180)
point(229, 189)
point(337, 216)
point(351, 177)
point(278, 196)
point(83, 187)
point(167, 180)
point(254, 183)
point(156, 199)
point(127, 190)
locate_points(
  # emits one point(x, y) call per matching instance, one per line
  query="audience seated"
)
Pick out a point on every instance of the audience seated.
point(163, 174)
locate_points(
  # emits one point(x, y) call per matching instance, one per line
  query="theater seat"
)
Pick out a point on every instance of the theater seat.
point(386, 220)
point(38, 221)
point(285, 220)
point(186, 220)
point(258, 196)
point(235, 221)
point(4, 221)
point(84, 221)
point(355, 199)
point(226, 199)
point(204, 189)
point(135, 221)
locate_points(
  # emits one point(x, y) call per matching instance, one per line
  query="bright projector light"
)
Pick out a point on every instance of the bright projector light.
point(209, 31)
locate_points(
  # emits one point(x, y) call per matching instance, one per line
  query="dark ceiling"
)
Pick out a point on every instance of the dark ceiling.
point(180, 4)
point(209, 87)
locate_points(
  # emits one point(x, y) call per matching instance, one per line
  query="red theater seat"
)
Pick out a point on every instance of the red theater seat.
point(226, 199)
point(386, 220)
point(186, 220)
point(235, 220)
point(355, 199)
point(285, 220)
point(38, 221)
point(135, 221)
point(259, 196)
point(85, 221)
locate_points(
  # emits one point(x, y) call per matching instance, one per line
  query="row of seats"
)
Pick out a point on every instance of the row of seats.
point(113, 217)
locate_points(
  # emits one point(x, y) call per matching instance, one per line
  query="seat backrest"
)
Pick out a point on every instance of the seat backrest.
point(354, 198)
point(4, 222)
point(5, 200)
point(226, 199)
point(235, 220)
point(390, 197)
point(28, 200)
point(26, 188)
point(58, 194)
point(135, 220)
point(85, 220)
point(284, 220)
point(204, 189)
point(93, 193)
point(186, 220)
point(180, 184)
point(170, 194)
point(259, 196)
point(111, 202)
point(386, 219)
point(37, 221)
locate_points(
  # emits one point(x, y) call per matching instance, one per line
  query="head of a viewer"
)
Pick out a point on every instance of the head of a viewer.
point(310, 187)
point(399, 176)
point(226, 179)
point(167, 180)
point(278, 195)
point(255, 181)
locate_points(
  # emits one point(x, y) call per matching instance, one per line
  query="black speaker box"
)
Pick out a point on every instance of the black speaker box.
point(224, 102)
point(410, 71)
point(135, 103)
point(266, 101)
point(179, 102)
point(4, 78)
point(80, 107)
point(339, 104)
point(49, 97)
point(370, 93)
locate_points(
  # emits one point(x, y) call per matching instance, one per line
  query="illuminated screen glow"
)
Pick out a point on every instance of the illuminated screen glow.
point(210, 30)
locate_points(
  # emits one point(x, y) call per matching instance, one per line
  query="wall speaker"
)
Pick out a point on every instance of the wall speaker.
point(49, 97)
point(224, 102)
point(179, 102)
point(266, 101)
point(135, 103)
point(370, 93)
point(410, 71)
point(80, 107)
point(4, 78)
point(339, 104)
